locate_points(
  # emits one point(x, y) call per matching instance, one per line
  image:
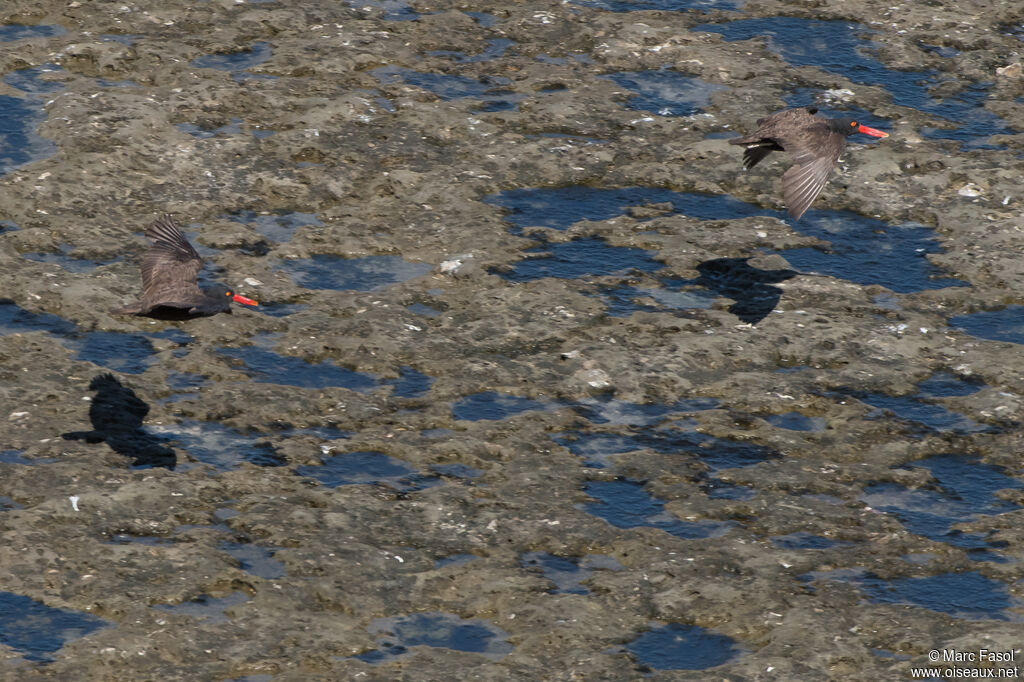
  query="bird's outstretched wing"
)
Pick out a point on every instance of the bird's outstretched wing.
point(169, 267)
point(814, 156)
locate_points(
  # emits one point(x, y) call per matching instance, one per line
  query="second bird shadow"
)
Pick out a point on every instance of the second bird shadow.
point(751, 288)
point(116, 414)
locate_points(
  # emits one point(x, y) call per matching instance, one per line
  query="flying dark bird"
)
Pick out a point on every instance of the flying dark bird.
point(813, 143)
point(169, 270)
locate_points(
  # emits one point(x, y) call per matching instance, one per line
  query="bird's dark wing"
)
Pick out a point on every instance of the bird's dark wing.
point(771, 131)
point(803, 181)
point(815, 152)
point(755, 152)
point(169, 267)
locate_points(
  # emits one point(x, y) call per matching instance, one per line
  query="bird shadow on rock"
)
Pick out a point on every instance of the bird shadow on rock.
point(171, 314)
point(751, 288)
point(116, 414)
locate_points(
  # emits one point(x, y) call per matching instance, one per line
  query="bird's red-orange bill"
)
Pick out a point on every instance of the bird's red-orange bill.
point(238, 298)
point(872, 132)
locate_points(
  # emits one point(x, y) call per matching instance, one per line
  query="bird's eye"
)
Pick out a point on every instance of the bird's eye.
point(227, 293)
point(853, 124)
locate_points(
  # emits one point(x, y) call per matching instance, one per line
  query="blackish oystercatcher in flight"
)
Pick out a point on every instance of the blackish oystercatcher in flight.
point(813, 143)
point(169, 270)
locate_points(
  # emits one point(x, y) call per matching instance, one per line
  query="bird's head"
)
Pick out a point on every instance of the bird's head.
point(219, 290)
point(848, 126)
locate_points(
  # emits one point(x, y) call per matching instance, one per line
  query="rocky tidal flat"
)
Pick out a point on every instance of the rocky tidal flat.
point(541, 385)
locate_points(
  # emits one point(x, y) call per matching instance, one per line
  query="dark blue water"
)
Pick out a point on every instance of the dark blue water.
point(254, 559)
point(45, 79)
point(358, 274)
point(266, 366)
point(490, 405)
point(910, 408)
point(483, 18)
point(561, 207)
point(565, 572)
point(65, 260)
point(11, 32)
point(14, 457)
point(36, 631)
point(423, 309)
point(862, 249)
point(1005, 324)
point(868, 251)
point(325, 432)
point(926, 416)
point(391, 10)
point(665, 91)
point(219, 445)
point(281, 309)
point(184, 384)
point(966, 491)
point(794, 421)
point(127, 353)
point(278, 227)
point(493, 91)
point(206, 609)
point(947, 385)
point(409, 384)
point(626, 504)
point(674, 294)
point(716, 489)
point(967, 595)
point(833, 45)
point(609, 410)
point(579, 258)
point(19, 117)
point(456, 470)
point(368, 468)
point(682, 647)
point(123, 38)
point(454, 560)
point(7, 504)
point(148, 540)
point(232, 128)
point(495, 48)
point(435, 629)
point(14, 318)
point(962, 595)
point(669, 5)
point(235, 61)
point(846, 49)
point(104, 83)
point(596, 449)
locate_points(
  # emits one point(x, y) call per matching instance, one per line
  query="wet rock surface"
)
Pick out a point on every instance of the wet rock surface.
point(750, 459)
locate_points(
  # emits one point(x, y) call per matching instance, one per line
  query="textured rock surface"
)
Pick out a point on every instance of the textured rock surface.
point(390, 168)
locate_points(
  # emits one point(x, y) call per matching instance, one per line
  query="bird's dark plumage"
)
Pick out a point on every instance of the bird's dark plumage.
point(170, 268)
point(813, 143)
